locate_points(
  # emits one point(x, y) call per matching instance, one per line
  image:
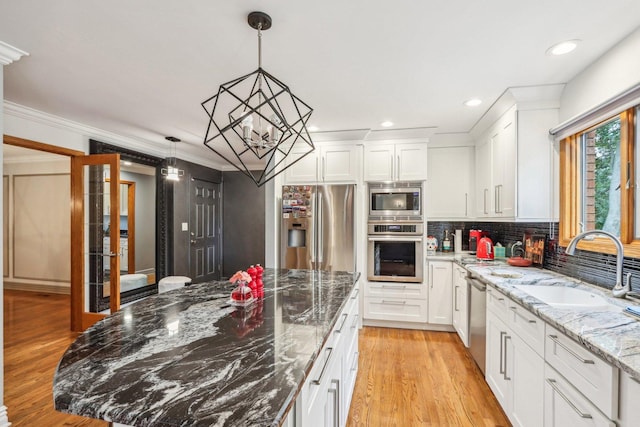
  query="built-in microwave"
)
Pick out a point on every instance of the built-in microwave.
point(395, 199)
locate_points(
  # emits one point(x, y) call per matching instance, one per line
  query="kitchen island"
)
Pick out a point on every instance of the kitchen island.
point(189, 358)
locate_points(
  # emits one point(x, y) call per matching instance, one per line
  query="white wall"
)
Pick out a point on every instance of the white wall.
point(611, 74)
point(38, 243)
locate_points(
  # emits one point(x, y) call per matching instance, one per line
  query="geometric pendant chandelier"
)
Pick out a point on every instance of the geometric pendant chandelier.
point(256, 119)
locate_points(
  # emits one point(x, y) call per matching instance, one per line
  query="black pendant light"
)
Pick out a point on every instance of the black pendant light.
point(258, 118)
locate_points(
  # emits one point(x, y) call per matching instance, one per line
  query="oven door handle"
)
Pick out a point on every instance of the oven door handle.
point(395, 239)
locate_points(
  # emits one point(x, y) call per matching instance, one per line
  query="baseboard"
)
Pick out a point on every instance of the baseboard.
point(4, 419)
point(32, 287)
point(407, 325)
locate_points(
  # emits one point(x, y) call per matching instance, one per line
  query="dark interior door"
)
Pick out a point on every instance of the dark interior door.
point(204, 232)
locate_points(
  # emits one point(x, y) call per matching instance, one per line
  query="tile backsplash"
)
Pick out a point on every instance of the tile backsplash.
point(595, 268)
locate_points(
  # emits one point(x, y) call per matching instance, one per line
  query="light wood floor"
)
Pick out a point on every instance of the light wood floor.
point(419, 378)
point(36, 334)
point(406, 378)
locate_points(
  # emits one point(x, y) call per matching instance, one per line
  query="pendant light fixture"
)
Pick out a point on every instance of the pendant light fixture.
point(255, 119)
point(171, 172)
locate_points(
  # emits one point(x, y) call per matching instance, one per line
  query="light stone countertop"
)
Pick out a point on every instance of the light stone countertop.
point(610, 334)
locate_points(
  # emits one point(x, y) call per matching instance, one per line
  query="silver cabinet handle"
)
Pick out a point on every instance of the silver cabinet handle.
point(355, 321)
point(394, 302)
point(455, 298)
point(515, 310)
point(466, 203)
point(336, 402)
point(555, 339)
point(506, 337)
point(431, 275)
point(502, 335)
point(495, 199)
point(397, 287)
point(324, 367)
point(324, 167)
point(398, 169)
point(555, 388)
point(354, 367)
point(355, 293)
point(339, 330)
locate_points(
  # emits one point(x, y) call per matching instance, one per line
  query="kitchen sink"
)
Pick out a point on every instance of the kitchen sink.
point(568, 298)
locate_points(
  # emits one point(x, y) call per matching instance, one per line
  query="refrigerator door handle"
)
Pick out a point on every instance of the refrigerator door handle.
point(320, 231)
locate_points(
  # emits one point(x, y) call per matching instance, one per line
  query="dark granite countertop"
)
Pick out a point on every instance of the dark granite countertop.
point(188, 358)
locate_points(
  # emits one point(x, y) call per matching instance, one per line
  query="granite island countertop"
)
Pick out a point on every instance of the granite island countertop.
point(608, 333)
point(188, 358)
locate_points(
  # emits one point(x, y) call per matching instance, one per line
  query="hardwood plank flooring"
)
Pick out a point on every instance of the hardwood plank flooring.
point(419, 378)
point(406, 378)
point(36, 334)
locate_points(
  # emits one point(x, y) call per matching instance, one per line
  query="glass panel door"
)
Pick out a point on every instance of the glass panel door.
point(96, 236)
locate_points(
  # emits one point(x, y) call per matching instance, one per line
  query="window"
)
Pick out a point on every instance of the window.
point(598, 188)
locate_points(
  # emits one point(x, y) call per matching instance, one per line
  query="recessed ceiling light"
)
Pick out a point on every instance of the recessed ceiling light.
point(386, 124)
point(473, 102)
point(127, 163)
point(563, 47)
point(313, 128)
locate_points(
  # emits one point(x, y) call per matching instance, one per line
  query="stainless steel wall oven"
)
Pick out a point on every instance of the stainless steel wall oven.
point(395, 251)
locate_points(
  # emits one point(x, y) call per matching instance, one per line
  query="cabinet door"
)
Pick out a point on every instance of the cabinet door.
point(497, 354)
point(411, 162)
point(504, 166)
point(527, 383)
point(379, 163)
point(484, 197)
point(304, 171)
point(124, 199)
point(440, 293)
point(629, 408)
point(460, 304)
point(339, 163)
point(566, 406)
point(448, 182)
point(124, 255)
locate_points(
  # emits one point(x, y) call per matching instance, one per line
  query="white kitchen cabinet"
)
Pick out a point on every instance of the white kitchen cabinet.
point(395, 162)
point(565, 406)
point(124, 254)
point(327, 163)
point(460, 317)
point(629, 408)
point(395, 309)
point(515, 164)
point(514, 371)
point(124, 199)
point(326, 394)
point(440, 292)
point(483, 194)
point(448, 187)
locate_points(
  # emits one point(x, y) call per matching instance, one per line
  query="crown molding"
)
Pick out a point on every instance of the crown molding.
point(155, 148)
point(9, 54)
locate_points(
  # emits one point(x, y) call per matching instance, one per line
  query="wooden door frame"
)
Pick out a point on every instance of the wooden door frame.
point(75, 319)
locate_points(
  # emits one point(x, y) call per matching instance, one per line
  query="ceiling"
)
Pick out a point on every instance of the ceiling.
point(141, 69)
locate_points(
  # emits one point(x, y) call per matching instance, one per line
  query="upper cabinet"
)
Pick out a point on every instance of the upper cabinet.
point(327, 163)
point(516, 161)
point(395, 162)
point(449, 182)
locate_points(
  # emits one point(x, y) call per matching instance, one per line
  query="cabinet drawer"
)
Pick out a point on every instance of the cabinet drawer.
point(527, 325)
point(395, 290)
point(566, 406)
point(497, 303)
point(596, 379)
point(397, 309)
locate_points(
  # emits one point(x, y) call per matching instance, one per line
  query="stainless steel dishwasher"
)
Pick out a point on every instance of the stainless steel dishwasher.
point(477, 321)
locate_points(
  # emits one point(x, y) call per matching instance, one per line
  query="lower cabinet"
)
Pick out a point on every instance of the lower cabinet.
point(400, 302)
point(440, 292)
point(514, 371)
point(461, 304)
point(325, 398)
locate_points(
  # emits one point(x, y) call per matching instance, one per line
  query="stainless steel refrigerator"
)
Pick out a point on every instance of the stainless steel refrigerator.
point(318, 227)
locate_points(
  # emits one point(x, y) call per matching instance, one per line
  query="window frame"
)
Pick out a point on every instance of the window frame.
point(571, 170)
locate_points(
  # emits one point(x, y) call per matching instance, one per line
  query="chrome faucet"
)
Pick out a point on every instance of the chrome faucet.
point(618, 290)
